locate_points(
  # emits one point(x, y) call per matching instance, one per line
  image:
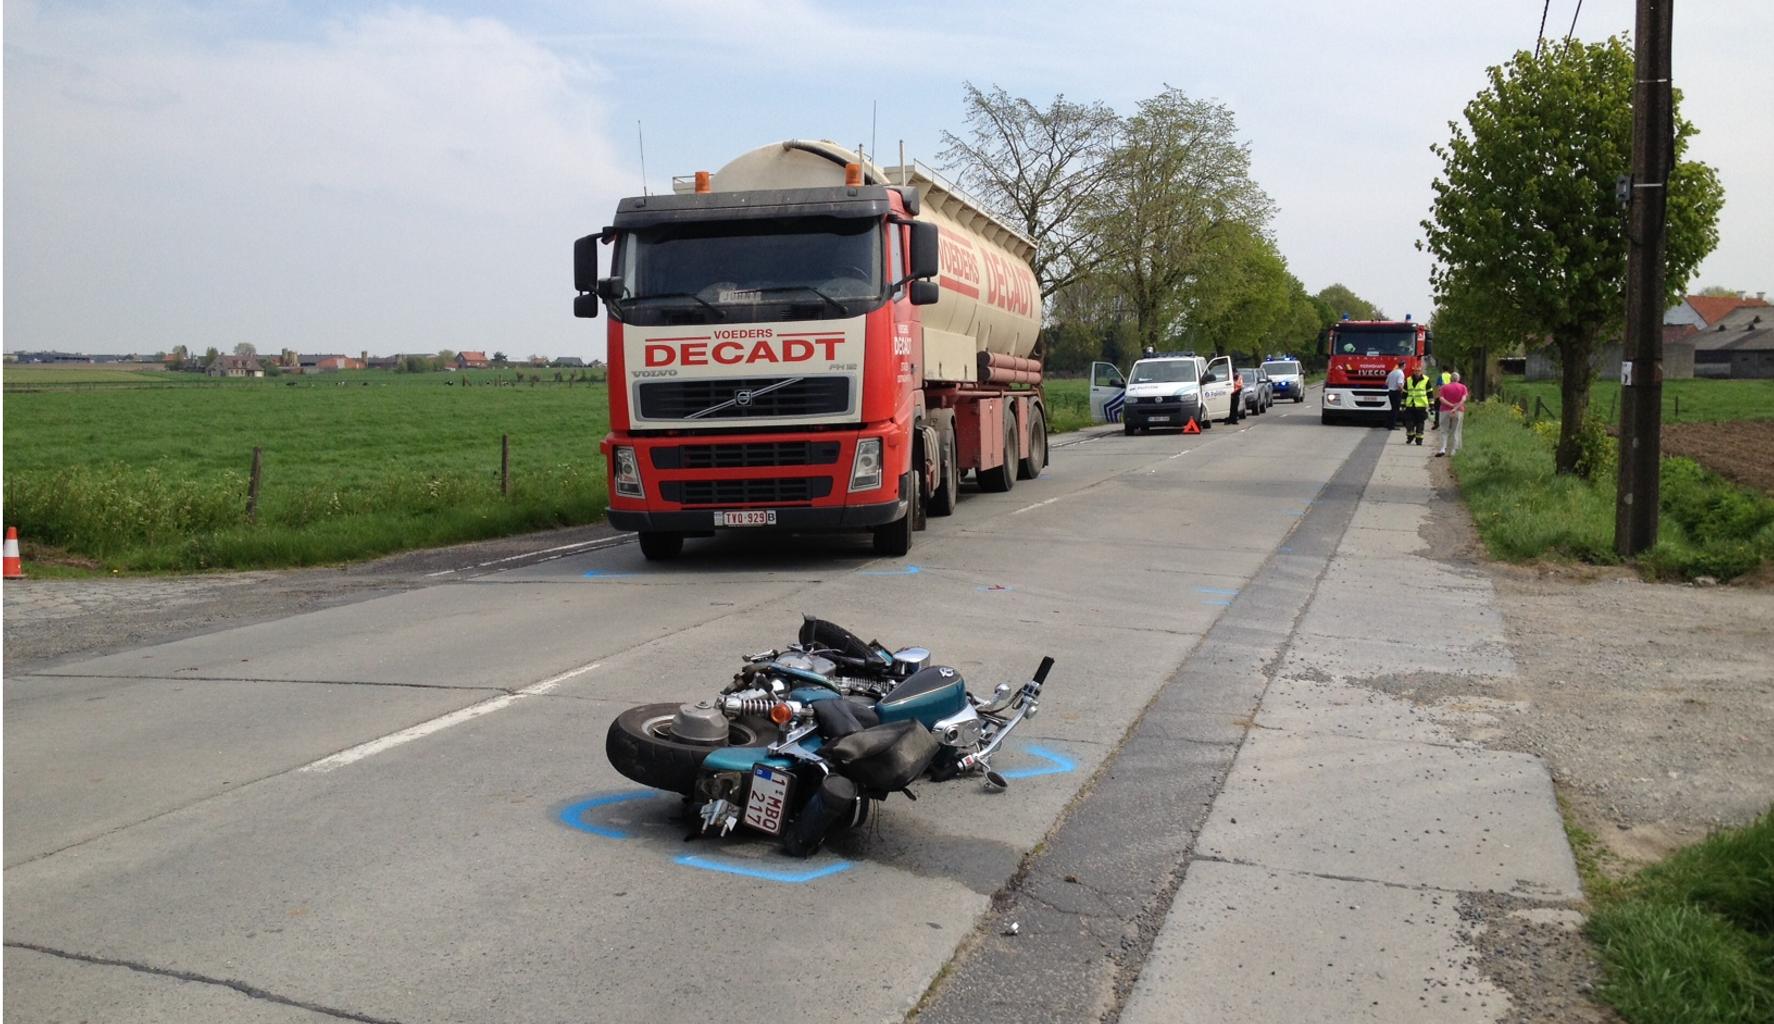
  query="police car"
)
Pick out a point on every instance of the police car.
point(1166, 390)
point(1284, 374)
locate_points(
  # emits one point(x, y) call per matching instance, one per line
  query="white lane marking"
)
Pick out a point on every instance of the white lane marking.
point(607, 542)
point(442, 722)
point(1036, 505)
point(1180, 454)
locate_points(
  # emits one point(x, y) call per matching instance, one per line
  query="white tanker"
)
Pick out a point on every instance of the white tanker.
point(804, 340)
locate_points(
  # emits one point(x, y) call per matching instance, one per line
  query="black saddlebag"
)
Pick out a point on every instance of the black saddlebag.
point(883, 758)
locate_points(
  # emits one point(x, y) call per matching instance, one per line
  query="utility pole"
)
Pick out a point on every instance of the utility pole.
point(1641, 367)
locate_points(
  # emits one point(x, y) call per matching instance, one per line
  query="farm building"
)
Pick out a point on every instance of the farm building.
point(570, 361)
point(236, 366)
point(1678, 358)
point(1739, 345)
point(327, 363)
point(1705, 311)
point(472, 361)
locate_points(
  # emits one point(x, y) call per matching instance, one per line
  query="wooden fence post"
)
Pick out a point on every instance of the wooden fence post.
point(504, 464)
point(252, 488)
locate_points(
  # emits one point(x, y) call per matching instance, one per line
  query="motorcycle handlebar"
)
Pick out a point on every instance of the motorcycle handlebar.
point(1041, 673)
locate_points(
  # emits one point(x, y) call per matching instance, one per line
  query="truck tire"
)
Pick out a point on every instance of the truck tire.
point(641, 747)
point(661, 545)
point(894, 539)
point(1030, 468)
point(1003, 478)
point(948, 489)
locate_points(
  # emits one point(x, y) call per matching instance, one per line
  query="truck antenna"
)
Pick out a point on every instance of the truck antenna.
point(642, 137)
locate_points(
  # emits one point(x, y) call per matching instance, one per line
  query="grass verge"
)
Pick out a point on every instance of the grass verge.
point(1691, 940)
point(1526, 511)
point(1684, 401)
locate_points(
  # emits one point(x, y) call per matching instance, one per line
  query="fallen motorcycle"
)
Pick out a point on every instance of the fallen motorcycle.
point(806, 738)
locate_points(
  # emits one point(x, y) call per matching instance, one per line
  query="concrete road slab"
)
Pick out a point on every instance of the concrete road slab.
point(1421, 647)
point(1451, 818)
point(1373, 543)
point(44, 987)
point(1397, 516)
point(1260, 946)
point(110, 752)
point(1339, 709)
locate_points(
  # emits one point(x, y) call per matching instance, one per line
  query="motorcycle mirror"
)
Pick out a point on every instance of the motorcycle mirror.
point(999, 781)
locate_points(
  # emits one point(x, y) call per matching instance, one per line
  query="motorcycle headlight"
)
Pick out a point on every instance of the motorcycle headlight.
point(865, 472)
point(628, 474)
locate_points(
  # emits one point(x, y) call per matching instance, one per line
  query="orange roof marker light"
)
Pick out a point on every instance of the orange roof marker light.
point(702, 182)
point(853, 174)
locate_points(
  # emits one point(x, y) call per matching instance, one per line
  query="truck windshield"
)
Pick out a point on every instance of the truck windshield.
point(1283, 369)
point(1395, 342)
point(810, 268)
point(1169, 371)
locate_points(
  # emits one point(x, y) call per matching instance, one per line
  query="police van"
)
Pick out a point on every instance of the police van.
point(1166, 390)
point(1284, 373)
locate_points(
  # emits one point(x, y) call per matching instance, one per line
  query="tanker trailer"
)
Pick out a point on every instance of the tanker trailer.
point(804, 341)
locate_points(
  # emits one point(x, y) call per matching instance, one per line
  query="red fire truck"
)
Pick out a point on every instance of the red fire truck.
point(1362, 353)
point(805, 341)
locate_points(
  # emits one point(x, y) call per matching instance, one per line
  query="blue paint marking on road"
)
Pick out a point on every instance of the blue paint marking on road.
point(691, 860)
point(1222, 604)
point(605, 574)
point(1057, 764)
point(1223, 592)
point(574, 815)
point(910, 570)
point(1285, 549)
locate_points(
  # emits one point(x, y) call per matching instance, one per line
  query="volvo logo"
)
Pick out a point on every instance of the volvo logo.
point(742, 397)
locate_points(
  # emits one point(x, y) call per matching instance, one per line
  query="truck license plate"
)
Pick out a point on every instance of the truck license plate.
point(754, 517)
point(1157, 419)
point(768, 804)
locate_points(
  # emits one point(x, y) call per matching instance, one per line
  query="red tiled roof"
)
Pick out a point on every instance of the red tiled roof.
point(1713, 308)
point(481, 356)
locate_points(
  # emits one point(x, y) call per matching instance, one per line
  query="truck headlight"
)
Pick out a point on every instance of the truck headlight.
point(628, 474)
point(1332, 398)
point(865, 472)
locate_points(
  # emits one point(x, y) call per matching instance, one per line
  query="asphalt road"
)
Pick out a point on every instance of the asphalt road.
point(398, 809)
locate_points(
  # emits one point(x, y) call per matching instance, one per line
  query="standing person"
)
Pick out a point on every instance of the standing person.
point(1453, 405)
point(1440, 382)
point(1416, 406)
point(1394, 392)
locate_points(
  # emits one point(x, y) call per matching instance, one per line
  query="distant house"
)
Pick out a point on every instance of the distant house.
point(570, 361)
point(472, 361)
point(1706, 311)
point(236, 366)
point(328, 363)
point(382, 363)
point(1739, 345)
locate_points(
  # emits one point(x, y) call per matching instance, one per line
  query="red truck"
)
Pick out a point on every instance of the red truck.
point(1362, 353)
point(803, 341)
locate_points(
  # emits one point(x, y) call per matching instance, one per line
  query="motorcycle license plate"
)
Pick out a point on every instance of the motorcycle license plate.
point(754, 517)
point(768, 804)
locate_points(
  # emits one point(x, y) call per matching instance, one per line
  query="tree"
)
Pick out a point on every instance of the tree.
point(1524, 225)
point(245, 348)
point(1241, 295)
point(1039, 169)
point(210, 357)
point(1719, 292)
point(499, 359)
point(1177, 181)
point(179, 354)
point(1342, 301)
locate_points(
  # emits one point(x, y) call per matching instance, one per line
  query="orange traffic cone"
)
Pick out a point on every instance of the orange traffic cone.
point(14, 569)
point(1191, 427)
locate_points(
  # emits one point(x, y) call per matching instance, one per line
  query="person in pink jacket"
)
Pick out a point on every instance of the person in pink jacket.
point(1451, 400)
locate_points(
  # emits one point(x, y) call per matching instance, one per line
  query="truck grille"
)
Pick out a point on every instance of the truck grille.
point(744, 397)
point(781, 491)
point(741, 456)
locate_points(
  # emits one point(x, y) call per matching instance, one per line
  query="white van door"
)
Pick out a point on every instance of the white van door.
point(1217, 396)
point(1108, 392)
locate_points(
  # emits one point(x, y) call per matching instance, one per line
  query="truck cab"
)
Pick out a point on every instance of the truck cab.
point(1165, 390)
point(1361, 353)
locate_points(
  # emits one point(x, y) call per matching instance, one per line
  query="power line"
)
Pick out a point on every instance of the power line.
point(1542, 36)
point(1572, 30)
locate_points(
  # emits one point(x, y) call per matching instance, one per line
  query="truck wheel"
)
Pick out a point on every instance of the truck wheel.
point(948, 489)
point(1003, 478)
point(660, 545)
point(1030, 468)
point(895, 539)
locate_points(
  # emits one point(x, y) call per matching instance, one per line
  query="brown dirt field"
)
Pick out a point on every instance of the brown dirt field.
point(1738, 451)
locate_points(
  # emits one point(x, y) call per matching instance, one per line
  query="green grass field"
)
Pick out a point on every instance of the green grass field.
point(1068, 403)
point(355, 465)
point(17, 375)
point(1684, 401)
point(1524, 510)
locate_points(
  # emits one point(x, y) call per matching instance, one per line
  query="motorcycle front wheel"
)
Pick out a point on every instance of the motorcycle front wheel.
point(641, 746)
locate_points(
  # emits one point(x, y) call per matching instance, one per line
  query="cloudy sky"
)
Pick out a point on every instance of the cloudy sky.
point(347, 176)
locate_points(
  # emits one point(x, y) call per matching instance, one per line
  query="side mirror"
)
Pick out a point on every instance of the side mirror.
point(924, 293)
point(608, 288)
point(585, 280)
point(926, 259)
